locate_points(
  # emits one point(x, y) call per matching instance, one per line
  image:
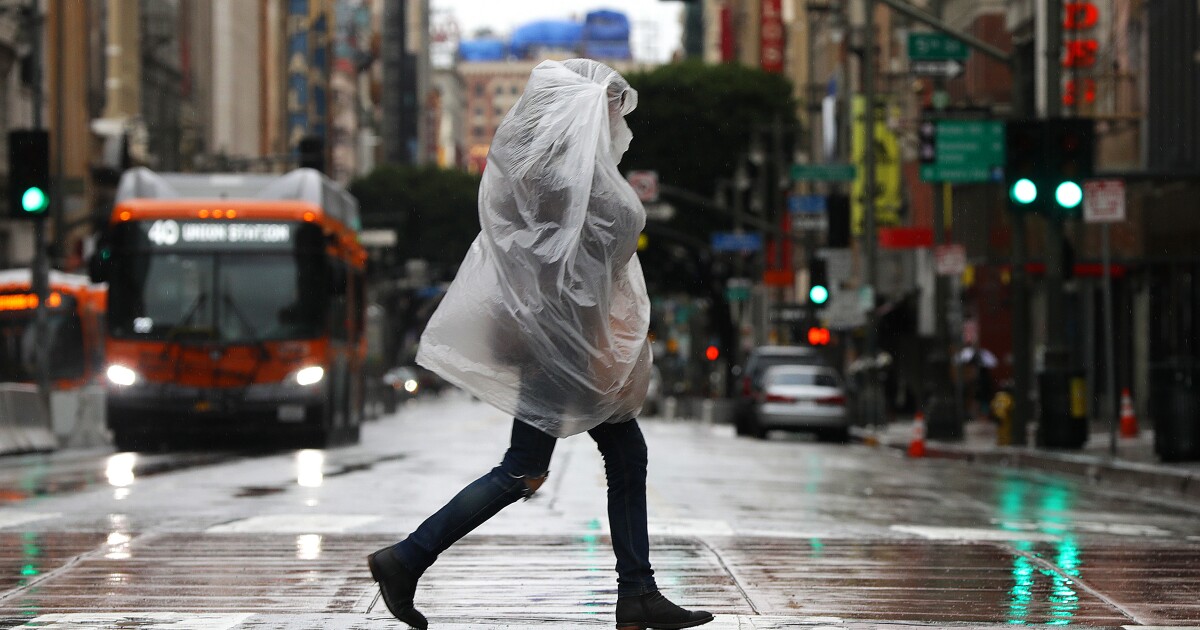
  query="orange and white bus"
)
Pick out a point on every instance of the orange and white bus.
point(235, 309)
point(74, 327)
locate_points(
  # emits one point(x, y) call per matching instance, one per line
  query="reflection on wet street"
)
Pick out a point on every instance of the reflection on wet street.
point(766, 534)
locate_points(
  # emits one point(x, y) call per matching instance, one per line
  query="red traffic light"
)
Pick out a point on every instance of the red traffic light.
point(712, 353)
point(819, 336)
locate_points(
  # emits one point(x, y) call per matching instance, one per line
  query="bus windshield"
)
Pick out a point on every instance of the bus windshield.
point(227, 297)
point(18, 344)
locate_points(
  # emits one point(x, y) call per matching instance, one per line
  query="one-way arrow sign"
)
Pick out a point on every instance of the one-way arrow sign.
point(947, 68)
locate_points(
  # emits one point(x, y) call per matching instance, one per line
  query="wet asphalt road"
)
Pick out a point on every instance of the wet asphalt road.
point(778, 534)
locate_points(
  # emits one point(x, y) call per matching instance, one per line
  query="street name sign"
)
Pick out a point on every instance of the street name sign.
point(808, 204)
point(965, 151)
point(1104, 201)
point(945, 68)
point(936, 47)
point(823, 172)
point(736, 242)
point(806, 221)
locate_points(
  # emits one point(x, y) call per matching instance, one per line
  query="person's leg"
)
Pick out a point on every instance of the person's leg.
point(519, 475)
point(624, 452)
point(639, 604)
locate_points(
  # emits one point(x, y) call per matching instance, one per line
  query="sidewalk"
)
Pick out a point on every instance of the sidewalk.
point(1136, 464)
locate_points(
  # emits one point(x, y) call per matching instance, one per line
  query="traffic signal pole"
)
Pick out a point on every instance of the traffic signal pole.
point(871, 407)
point(40, 274)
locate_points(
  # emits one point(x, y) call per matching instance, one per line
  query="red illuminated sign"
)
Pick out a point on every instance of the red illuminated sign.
point(772, 36)
point(1080, 51)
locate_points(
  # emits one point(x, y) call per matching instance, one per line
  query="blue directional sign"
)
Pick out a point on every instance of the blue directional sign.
point(735, 242)
point(807, 204)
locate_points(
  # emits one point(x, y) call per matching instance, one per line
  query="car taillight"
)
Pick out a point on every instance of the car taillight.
point(776, 398)
point(831, 400)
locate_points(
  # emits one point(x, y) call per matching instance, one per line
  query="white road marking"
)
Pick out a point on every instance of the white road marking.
point(970, 533)
point(15, 517)
point(295, 524)
point(148, 620)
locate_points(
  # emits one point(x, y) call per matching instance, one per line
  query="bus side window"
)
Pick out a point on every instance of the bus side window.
point(339, 315)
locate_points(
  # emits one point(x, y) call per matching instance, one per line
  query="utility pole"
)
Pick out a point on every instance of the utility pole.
point(1055, 380)
point(869, 237)
point(40, 274)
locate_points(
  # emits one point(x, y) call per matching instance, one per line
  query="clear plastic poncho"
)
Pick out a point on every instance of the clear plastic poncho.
point(548, 315)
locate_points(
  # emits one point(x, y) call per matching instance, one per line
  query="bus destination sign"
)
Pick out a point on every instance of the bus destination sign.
point(169, 233)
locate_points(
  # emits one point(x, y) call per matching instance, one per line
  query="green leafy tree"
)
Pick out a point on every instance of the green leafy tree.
point(434, 211)
point(692, 124)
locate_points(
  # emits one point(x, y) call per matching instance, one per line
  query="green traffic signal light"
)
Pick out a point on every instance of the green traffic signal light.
point(1068, 195)
point(34, 200)
point(1024, 191)
point(818, 294)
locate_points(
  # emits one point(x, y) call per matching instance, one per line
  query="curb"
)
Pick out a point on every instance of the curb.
point(1094, 469)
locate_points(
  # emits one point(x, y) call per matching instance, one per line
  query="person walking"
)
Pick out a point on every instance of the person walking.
point(547, 320)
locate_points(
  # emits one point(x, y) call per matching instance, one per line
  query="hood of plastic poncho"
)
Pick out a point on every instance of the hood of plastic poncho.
point(548, 315)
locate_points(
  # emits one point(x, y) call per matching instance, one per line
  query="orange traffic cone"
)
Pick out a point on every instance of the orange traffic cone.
point(1129, 423)
point(916, 448)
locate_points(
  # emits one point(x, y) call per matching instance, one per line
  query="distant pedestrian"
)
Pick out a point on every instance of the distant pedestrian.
point(547, 320)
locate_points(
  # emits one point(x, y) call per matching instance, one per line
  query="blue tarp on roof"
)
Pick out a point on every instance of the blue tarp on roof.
point(607, 50)
point(606, 25)
point(482, 50)
point(546, 34)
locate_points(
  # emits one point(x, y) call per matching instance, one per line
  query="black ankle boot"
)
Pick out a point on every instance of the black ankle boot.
point(397, 585)
point(652, 610)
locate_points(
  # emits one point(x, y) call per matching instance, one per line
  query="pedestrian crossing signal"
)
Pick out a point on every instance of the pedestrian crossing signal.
point(819, 336)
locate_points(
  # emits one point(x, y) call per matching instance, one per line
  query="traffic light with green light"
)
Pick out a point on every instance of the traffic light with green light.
point(1025, 165)
point(818, 281)
point(1046, 164)
point(28, 173)
point(1071, 154)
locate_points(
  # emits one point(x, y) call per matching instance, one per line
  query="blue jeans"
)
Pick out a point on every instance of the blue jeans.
point(528, 459)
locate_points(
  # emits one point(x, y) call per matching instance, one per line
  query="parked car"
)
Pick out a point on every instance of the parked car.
point(401, 384)
point(750, 385)
point(802, 398)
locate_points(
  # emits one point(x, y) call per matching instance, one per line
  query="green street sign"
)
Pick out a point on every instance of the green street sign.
point(823, 172)
point(935, 47)
point(964, 151)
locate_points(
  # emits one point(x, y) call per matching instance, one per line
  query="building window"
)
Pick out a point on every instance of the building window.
point(478, 131)
point(478, 112)
point(499, 90)
point(479, 90)
point(499, 111)
point(514, 89)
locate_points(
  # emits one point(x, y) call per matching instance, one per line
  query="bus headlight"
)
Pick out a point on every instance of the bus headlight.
point(310, 375)
point(121, 375)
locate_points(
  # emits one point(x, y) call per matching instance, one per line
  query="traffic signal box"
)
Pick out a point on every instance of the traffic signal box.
point(1046, 164)
point(818, 281)
point(28, 173)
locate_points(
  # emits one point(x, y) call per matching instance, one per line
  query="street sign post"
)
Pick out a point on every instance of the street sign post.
point(964, 151)
point(935, 47)
point(823, 172)
point(1104, 203)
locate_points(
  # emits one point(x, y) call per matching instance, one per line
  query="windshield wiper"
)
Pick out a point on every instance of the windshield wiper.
point(228, 300)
